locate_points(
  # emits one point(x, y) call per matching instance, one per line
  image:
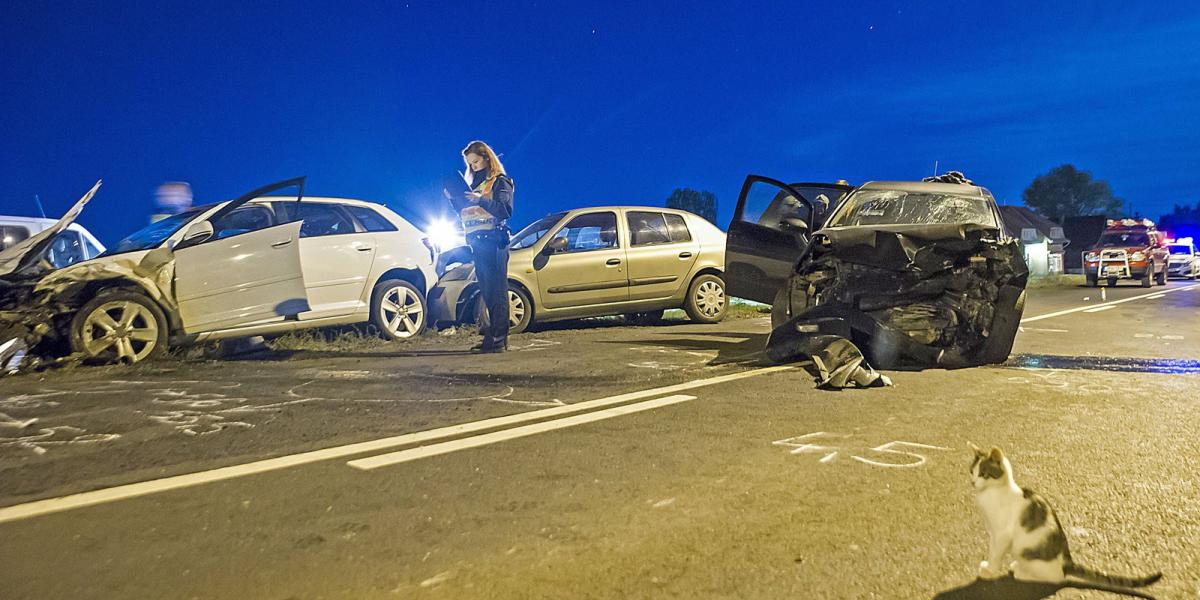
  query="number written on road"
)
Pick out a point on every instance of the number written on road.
point(830, 446)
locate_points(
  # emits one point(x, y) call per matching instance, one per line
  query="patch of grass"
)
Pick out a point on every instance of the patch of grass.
point(746, 309)
point(339, 338)
point(1054, 281)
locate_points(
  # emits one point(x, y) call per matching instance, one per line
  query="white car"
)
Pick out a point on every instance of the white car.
point(252, 266)
point(70, 246)
point(1184, 260)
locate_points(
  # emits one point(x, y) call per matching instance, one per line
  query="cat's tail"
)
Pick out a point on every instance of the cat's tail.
point(1085, 573)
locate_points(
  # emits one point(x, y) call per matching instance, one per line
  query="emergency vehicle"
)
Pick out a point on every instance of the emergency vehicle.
point(1185, 259)
point(1128, 249)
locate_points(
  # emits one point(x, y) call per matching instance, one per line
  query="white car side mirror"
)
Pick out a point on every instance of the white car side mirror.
point(197, 233)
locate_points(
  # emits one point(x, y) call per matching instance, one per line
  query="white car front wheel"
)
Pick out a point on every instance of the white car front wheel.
point(119, 326)
point(398, 309)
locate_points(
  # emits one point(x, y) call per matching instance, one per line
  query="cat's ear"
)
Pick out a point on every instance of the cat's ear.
point(996, 455)
point(977, 449)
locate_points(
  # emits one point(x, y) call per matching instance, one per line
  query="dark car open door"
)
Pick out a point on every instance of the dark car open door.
point(770, 228)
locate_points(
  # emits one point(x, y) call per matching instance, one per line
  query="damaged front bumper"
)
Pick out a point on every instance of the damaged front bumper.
point(922, 296)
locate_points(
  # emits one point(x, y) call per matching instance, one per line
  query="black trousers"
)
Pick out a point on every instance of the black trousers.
point(491, 269)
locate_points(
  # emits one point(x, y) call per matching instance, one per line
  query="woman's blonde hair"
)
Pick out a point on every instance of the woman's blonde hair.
point(495, 167)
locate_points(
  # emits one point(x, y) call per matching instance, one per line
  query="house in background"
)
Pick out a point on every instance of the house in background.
point(1043, 239)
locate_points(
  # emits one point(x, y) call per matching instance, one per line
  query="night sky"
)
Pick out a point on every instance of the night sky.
point(589, 103)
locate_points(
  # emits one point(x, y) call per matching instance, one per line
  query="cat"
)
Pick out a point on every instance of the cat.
point(1022, 524)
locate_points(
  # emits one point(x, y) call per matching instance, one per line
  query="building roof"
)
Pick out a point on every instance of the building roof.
point(1019, 220)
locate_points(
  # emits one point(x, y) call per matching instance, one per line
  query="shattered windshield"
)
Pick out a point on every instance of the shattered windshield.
point(1124, 238)
point(897, 207)
point(534, 232)
point(152, 235)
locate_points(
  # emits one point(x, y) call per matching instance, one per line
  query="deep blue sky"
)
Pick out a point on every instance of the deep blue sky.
point(590, 103)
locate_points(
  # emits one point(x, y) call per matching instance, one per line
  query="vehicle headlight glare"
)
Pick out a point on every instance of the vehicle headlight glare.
point(1138, 256)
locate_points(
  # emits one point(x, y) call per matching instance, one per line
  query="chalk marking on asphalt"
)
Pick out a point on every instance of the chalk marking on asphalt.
point(402, 456)
point(133, 490)
point(1099, 309)
point(1113, 303)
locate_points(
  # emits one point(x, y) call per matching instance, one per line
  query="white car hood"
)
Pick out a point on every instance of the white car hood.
point(22, 255)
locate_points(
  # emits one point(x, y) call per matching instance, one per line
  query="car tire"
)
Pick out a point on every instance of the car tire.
point(706, 301)
point(779, 308)
point(398, 309)
point(1112, 282)
point(652, 317)
point(520, 310)
point(120, 326)
point(1148, 278)
point(1090, 281)
point(1161, 277)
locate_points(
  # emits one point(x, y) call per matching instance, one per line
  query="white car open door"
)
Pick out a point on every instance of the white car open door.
point(246, 279)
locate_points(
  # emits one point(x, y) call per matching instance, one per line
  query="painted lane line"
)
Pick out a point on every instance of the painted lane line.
point(402, 456)
point(1156, 296)
point(1099, 309)
point(133, 490)
point(1114, 302)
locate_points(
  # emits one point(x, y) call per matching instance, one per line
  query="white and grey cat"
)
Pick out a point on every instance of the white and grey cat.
point(1023, 525)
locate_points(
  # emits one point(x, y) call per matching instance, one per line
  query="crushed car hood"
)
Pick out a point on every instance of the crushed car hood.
point(907, 296)
point(23, 257)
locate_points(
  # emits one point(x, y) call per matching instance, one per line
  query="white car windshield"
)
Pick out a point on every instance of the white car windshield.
point(897, 207)
point(1180, 249)
point(152, 235)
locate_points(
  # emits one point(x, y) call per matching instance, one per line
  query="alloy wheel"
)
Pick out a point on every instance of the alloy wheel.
point(402, 311)
point(125, 328)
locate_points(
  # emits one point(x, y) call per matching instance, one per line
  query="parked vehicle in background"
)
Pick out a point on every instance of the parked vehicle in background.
point(256, 265)
point(1128, 249)
point(610, 260)
point(1184, 259)
point(72, 245)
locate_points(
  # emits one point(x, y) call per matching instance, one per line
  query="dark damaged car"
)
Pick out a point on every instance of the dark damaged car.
point(900, 275)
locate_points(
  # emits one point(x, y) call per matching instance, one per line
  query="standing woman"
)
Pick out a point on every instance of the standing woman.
point(484, 213)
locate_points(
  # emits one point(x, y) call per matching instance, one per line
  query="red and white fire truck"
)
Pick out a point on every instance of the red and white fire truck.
point(1128, 249)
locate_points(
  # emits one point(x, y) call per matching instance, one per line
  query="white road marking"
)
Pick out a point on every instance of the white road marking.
point(393, 458)
point(1156, 296)
point(133, 490)
point(1099, 309)
point(1113, 303)
point(1044, 330)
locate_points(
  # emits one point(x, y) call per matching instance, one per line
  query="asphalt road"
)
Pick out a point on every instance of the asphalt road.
point(602, 461)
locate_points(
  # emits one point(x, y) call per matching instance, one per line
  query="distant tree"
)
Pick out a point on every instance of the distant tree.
point(1183, 217)
point(1068, 192)
point(701, 203)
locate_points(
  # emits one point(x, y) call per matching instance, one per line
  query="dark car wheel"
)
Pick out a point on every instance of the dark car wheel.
point(1161, 277)
point(1148, 278)
point(706, 301)
point(1090, 280)
point(520, 310)
point(120, 326)
point(398, 309)
point(1112, 282)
